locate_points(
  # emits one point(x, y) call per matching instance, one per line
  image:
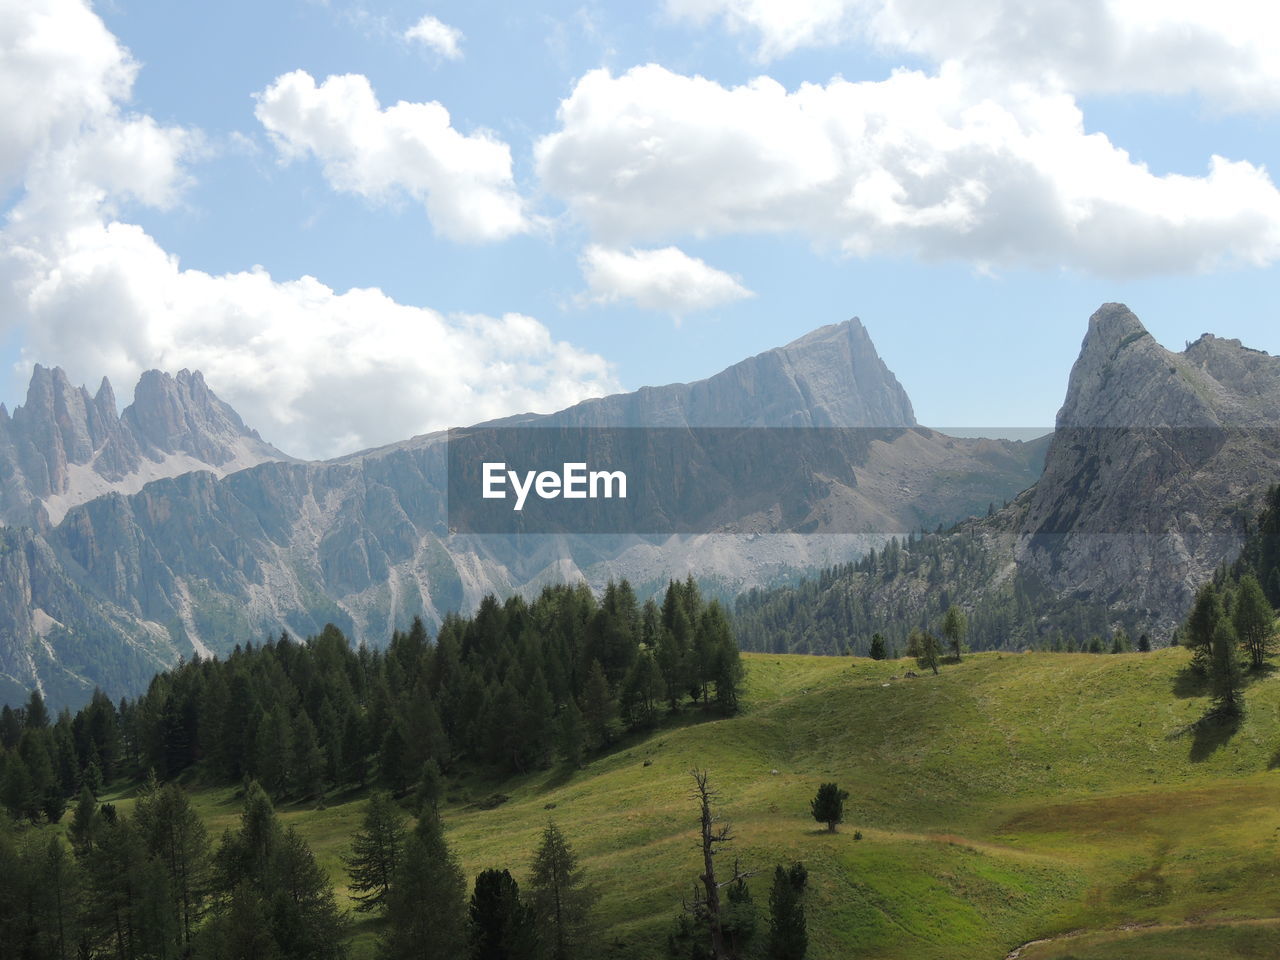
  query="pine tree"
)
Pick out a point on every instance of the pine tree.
point(273, 866)
point(426, 909)
point(177, 842)
point(925, 648)
point(306, 771)
point(499, 925)
point(83, 823)
point(878, 650)
point(1201, 624)
point(954, 627)
point(828, 806)
point(572, 734)
point(561, 898)
point(1254, 621)
point(788, 934)
point(429, 791)
point(376, 851)
point(739, 917)
point(1225, 677)
point(597, 707)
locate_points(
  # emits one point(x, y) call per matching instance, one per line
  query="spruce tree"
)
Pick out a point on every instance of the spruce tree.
point(178, 844)
point(788, 933)
point(499, 925)
point(597, 707)
point(426, 906)
point(954, 627)
point(376, 852)
point(83, 823)
point(271, 866)
point(562, 900)
point(878, 650)
point(1201, 624)
point(1225, 678)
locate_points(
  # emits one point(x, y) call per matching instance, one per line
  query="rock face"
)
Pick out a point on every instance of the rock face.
point(1157, 463)
point(196, 563)
point(64, 447)
point(1157, 459)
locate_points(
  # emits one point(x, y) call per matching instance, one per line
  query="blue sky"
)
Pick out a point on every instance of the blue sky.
point(621, 194)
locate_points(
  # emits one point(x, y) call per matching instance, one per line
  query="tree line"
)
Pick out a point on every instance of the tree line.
point(1231, 627)
point(517, 686)
point(910, 584)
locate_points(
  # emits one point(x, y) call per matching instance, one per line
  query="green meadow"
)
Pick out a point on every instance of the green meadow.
point(1073, 799)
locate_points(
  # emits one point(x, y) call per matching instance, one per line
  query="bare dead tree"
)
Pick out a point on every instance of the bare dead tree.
point(715, 834)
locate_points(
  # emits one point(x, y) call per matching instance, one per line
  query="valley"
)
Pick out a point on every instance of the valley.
point(1011, 798)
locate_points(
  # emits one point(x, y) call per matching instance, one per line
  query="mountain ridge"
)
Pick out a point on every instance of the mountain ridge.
point(1156, 464)
point(196, 563)
point(64, 446)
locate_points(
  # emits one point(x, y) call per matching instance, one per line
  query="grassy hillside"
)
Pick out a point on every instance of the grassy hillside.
point(1010, 799)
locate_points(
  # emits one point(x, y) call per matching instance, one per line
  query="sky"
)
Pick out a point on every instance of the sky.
point(364, 221)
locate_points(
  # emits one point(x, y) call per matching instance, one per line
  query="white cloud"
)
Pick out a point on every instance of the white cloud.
point(465, 181)
point(934, 166)
point(440, 37)
point(667, 280)
point(319, 372)
point(63, 78)
point(781, 26)
point(1229, 51)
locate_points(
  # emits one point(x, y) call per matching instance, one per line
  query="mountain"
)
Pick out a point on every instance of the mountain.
point(831, 377)
point(1156, 463)
point(127, 582)
point(63, 447)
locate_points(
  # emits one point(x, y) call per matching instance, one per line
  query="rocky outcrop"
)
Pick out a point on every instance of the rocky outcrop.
point(1157, 459)
point(63, 447)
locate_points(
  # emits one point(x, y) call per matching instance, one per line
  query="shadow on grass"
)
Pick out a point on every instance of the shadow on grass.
point(1265, 672)
point(1211, 733)
point(1189, 683)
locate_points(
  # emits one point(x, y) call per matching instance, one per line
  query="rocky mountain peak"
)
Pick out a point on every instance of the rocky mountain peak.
point(830, 377)
point(64, 446)
point(181, 414)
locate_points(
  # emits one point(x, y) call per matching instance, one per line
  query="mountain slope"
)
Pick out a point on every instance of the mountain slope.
point(993, 809)
point(1156, 463)
point(203, 562)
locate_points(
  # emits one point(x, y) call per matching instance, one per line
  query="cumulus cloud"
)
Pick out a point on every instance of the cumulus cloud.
point(63, 79)
point(464, 180)
point(917, 164)
point(668, 280)
point(318, 371)
point(1227, 51)
point(440, 37)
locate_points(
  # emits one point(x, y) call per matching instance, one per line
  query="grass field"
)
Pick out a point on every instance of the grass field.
point(1013, 798)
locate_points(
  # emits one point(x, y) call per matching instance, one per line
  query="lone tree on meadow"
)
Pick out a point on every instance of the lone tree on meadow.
point(1253, 619)
point(878, 650)
point(954, 627)
point(924, 646)
point(828, 805)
